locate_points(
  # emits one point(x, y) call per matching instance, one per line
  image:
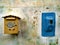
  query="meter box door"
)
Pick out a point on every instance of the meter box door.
point(11, 24)
point(48, 24)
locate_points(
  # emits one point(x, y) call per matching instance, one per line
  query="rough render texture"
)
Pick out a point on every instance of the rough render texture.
point(30, 13)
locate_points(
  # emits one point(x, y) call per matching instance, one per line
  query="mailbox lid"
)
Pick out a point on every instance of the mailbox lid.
point(11, 17)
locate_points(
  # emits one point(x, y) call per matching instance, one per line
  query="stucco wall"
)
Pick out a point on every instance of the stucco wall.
point(30, 13)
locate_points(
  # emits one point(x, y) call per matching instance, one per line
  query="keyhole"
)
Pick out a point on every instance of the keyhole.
point(51, 21)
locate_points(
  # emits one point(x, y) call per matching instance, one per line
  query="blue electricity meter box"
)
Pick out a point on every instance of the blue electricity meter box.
point(48, 24)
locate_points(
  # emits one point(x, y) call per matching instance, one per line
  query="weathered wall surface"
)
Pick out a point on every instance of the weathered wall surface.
point(30, 12)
